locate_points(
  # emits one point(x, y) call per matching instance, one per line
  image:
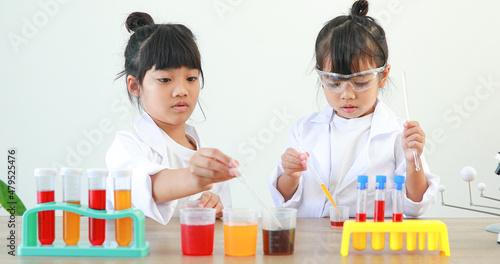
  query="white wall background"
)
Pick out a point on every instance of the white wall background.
point(60, 104)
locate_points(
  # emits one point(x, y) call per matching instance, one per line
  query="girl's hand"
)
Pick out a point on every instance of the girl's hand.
point(294, 162)
point(211, 200)
point(413, 138)
point(208, 166)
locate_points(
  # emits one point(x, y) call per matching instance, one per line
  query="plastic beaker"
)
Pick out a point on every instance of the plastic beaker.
point(197, 231)
point(45, 186)
point(276, 240)
point(240, 231)
point(123, 200)
point(336, 219)
point(97, 201)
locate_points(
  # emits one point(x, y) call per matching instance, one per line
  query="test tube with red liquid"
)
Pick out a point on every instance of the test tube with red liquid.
point(359, 238)
point(123, 200)
point(71, 194)
point(396, 238)
point(45, 186)
point(378, 238)
point(97, 201)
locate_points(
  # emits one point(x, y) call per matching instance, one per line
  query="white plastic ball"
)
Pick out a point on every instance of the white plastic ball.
point(441, 188)
point(468, 173)
point(481, 186)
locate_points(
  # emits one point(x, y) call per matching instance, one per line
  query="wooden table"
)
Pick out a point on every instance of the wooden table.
point(315, 242)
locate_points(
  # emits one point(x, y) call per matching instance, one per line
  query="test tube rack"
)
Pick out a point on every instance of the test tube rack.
point(437, 233)
point(31, 247)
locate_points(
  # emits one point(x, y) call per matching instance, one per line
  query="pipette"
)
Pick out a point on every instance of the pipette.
point(243, 179)
point(415, 155)
point(320, 181)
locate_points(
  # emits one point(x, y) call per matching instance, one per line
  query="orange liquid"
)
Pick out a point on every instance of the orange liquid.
point(123, 226)
point(327, 193)
point(71, 226)
point(240, 239)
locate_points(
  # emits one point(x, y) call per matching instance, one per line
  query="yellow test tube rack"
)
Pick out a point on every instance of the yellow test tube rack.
point(436, 231)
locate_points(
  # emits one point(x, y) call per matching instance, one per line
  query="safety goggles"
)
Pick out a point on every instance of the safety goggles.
point(359, 81)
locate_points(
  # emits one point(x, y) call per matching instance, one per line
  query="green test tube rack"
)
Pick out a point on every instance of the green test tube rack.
point(31, 247)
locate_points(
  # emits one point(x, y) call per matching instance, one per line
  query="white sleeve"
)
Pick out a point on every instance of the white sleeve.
point(278, 198)
point(127, 152)
point(416, 209)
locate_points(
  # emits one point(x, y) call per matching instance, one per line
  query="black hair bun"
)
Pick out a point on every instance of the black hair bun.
point(359, 8)
point(137, 20)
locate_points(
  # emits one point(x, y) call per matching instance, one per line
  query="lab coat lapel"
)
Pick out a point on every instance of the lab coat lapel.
point(151, 134)
point(321, 153)
point(384, 121)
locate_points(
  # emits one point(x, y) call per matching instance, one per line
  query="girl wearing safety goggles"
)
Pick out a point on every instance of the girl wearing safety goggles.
point(356, 133)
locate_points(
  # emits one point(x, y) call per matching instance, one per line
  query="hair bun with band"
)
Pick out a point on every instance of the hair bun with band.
point(137, 20)
point(359, 8)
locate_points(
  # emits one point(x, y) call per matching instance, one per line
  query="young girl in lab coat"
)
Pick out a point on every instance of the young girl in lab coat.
point(355, 134)
point(170, 167)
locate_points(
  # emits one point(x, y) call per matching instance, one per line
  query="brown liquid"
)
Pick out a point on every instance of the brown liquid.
point(278, 242)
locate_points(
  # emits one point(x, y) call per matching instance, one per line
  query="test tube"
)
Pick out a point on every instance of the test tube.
point(123, 200)
point(378, 238)
point(71, 194)
point(97, 201)
point(396, 238)
point(359, 238)
point(45, 179)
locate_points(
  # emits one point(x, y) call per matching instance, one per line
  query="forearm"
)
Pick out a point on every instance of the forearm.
point(287, 185)
point(416, 183)
point(168, 185)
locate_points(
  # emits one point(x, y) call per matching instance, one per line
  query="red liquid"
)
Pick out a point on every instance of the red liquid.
point(336, 223)
point(197, 240)
point(397, 217)
point(278, 242)
point(97, 227)
point(379, 211)
point(46, 222)
point(360, 217)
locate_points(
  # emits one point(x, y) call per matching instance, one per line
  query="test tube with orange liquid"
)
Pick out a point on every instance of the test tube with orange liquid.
point(123, 200)
point(45, 186)
point(71, 194)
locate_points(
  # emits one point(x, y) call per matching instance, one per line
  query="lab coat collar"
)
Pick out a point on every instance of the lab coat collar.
point(150, 133)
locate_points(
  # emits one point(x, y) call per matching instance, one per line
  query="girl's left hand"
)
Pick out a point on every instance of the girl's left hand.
point(211, 200)
point(413, 137)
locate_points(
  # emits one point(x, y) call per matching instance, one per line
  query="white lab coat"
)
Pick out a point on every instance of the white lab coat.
point(382, 155)
point(147, 152)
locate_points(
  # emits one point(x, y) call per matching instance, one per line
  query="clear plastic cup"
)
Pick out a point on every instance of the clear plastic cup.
point(197, 231)
point(240, 231)
point(97, 201)
point(123, 200)
point(45, 186)
point(279, 240)
point(336, 219)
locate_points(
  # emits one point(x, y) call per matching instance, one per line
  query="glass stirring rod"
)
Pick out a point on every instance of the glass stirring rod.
point(316, 175)
point(243, 179)
point(415, 155)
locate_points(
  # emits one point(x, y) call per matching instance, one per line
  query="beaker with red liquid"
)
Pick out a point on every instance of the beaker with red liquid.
point(97, 201)
point(197, 231)
point(45, 186)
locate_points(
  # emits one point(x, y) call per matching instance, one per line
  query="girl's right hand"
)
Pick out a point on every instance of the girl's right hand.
point(294, 162)
point(208, 166)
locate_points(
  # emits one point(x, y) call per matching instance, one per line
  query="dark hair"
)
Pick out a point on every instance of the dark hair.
point(165, 46)
point(345, 41)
